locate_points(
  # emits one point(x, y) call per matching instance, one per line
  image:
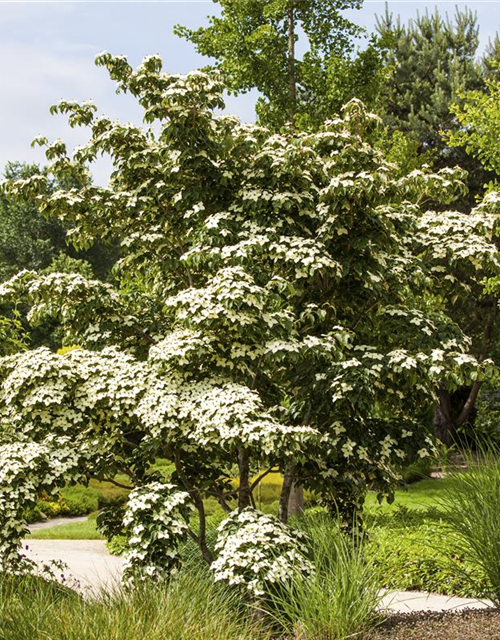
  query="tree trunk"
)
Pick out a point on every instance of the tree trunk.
point(292, 80)
point(296, 500)
point(292, 496)
point(286, 490)
point(444, 428)
point(244, 491)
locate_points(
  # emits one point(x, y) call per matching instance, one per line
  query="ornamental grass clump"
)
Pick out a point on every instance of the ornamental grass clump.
point(187, 607)
point(472, 516)
point(340, 597)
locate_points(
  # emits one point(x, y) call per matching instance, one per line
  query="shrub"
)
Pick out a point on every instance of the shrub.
point(417, 471)
point(258, 552)
point(79, 500)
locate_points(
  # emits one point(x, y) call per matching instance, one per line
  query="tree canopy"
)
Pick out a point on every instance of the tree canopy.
point(274, 310)
point(299, 54)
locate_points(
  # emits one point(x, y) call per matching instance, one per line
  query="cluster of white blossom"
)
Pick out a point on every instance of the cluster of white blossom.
point(156, 521)
point(26, 468)
point(220, 414)
point(256, 551)
point(65, 297)
point(451, 238)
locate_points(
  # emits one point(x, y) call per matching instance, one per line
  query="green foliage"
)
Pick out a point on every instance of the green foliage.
point(79, 501)
point(487, 423)
point(413, 552)
point(189, 607)
point(30, 241)
point(417, 471)
point(472, 516)
point(478, 114)
point(13, 337)
point(27, 239)
point(250, 42)
point(271, 310)
point(339, 600)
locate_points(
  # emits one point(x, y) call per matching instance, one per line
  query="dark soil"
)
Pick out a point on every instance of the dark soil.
point(465, 625)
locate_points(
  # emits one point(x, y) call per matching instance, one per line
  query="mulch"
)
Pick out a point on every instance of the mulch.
point(468, 624)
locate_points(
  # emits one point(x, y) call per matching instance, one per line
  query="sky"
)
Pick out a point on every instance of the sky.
point(47, 51)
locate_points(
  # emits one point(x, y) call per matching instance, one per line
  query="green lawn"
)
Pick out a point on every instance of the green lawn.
point(74, 531)
point(419, 495)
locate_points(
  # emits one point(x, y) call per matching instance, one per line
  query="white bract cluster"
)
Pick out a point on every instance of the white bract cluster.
point(156, 520)
point(257, 551)
point(26, 468)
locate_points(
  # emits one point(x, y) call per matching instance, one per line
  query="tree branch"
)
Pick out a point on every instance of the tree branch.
point(259, 479)
point(244, 491)
point(111, 481)
point(201, 538)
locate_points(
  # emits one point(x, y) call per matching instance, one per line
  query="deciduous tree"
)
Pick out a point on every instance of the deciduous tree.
point(274, 310)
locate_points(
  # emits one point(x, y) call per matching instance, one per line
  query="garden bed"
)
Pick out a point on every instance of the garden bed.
point(466, 625)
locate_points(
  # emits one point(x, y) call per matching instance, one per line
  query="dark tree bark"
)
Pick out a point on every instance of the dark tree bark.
point(447, 421)
point(285, 494)
point(444, 428)
point(244, 490)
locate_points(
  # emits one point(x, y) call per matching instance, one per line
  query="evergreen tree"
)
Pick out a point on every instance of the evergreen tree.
point(434, 64)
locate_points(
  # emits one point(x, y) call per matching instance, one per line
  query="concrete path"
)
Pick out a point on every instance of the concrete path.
point(55, 522)
point(94, 568)
point(90, 565)
point(413, 601)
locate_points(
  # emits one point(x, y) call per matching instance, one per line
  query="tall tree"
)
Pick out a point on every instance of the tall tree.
point(28, 240)
point(256, 44)
point(434, 62)
point(271, 313)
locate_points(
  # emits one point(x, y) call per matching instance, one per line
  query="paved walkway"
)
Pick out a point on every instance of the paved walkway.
point(94, 568)
point(90, 565)
point(413, 601)
point(55, 522)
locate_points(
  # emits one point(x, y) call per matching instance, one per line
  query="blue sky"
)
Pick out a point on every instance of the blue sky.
point(47, 51)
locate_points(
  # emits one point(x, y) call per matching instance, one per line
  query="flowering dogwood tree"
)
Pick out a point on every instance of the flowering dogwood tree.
point(272, 311)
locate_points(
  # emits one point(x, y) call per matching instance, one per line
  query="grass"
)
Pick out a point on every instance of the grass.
point(472, 516)
point(419, 495)
point(340, 600)
point(33, 610)
point(74, 531)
